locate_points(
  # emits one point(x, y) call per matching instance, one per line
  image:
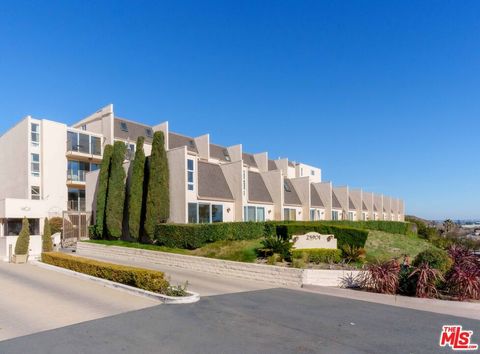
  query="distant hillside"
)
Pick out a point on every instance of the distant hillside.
point(413, 218)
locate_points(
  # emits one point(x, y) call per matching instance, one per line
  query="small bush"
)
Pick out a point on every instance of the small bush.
point(435, 258)
point(353, 254)
point(426, 279)
point(273, 259)
point(318, 255)
point(383, 277)
point(406, 284)
point(47, 245)
point(276, 245)
point(141, 278)
point(56, 224)
point(23, 240)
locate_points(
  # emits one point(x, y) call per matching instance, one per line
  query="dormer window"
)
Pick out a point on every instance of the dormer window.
point(286, 187)
point(149, 133)
point(123, 126)
point(191, 143)
point(226, 155)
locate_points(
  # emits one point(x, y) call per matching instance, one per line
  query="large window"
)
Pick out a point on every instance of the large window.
point(253, 213)
point(204, 213)
point(289, 214)
point(76, 199)
point(35, 164)
point(312, 214)
point(334, 215)
point(35, 134)
point(190, 174)
point(13, 226)
point(84, 143)
point(77, 170)
point(35, 192)
point(351, 215)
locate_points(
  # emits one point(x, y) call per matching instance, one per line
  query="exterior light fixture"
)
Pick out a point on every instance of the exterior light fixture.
point(228, 210)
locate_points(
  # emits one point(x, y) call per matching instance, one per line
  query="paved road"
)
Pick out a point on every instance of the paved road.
point(205, 284)
point(267, 321)
point(33, 299)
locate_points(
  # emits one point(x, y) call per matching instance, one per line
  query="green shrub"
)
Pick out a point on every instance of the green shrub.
point(344, 235)
point(435, 258)
point(116, 192)
point(318, 255)
point(158, 198)
point(276, 245)
point(146, 279)
point(192, 236)
point(23, 240)
point(136, 191)
point(56, 224)
point(47, 245)
point(102, 192)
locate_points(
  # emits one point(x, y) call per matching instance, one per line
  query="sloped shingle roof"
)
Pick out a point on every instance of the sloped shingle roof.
point(335, 202)
point(272, 165)
point(351, 206)
point(249, 159)
point(364, 207)
point(218, 152)
point(291, 196)
point(315, 199)
point(176, 140)
point(134, 130)
point(257, 190)
point(212, 183)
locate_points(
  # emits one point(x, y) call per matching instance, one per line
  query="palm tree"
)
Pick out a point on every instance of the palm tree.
point(448, 225)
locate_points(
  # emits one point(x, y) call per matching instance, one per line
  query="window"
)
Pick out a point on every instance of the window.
point(190, 174)
point(364, 216)
point(35, 134)
point(244, 183)
point(77, 170)
point(289, 214)
point(351, 215)
point(35, 164)
point(76, 199)
point(312, 214)
point(148, 133)
point(286, 187)
point(84, 143)
point(123, 126)
point(192, 213)
point(334, 215)
point(94, 166)
point(13, 226)
point(84, 127)
point(35, 192)
point(72, 141)
point(226, 155)
point(95, 146)
point(312, 172)
point(203, 213)
point(253, 213)
point(301, 171)
point(217, 213)
point(260, 214)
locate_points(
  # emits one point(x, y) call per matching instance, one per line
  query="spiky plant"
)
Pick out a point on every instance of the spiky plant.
point(353, 253)
point(426, 280)
point(383, 277)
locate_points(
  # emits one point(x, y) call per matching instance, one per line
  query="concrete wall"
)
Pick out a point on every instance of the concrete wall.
point(325, 277)
point(7, 247)
point(368, 200)
point(100, 122)
point(262, 161)
point(342, 195)
point(302, 186)
point(203, 146)
point(356, 197)
point(324, 189)
point(177, 164)
point(303, 170)
point(233, 174)
point(378, 203)
point(15, 161)
point(235, 152)
point(274, 183)
point(387, 204)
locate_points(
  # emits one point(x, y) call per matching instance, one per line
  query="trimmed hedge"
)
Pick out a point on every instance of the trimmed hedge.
point(146, 279)
point(192, 236)
point(318, 255)
point(344, 235)
point(393, 227)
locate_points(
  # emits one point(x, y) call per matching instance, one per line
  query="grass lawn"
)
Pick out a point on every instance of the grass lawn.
point(383, 246)
point(241, 251)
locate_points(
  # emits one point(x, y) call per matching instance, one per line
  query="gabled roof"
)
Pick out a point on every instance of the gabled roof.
point(364, 207)
point(176, 140)
point(375, 208)
point(212, 183)
point(257, 190)
point(249, 159)
point(335, 203)
point(351, 206)
point(291, 196)
point(132, 132)
point(219, 152)
point(272, 165)
point(315, 199)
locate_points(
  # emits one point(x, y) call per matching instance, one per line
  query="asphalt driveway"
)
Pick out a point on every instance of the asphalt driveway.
point(265, 321)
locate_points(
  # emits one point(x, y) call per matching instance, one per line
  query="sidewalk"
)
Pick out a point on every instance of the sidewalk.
point(454, 308)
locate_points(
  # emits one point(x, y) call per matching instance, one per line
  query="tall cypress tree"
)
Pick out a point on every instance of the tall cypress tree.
point(47, 245)
point(102, 191)
point(23, 240)
point(116, 192)
point(136, 191)
point(158, 198)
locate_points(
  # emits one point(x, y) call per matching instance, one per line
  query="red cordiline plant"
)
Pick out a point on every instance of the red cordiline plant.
point(383, 277)
point(426, 279)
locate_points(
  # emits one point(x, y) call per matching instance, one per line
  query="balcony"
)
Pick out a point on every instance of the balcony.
point(76, 177)
point(76, 204)
point(80, 144)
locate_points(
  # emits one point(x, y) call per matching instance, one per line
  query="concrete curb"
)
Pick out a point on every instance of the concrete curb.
point(170, 300)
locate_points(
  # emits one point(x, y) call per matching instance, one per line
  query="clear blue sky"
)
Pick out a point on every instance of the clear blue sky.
point(382, 95)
